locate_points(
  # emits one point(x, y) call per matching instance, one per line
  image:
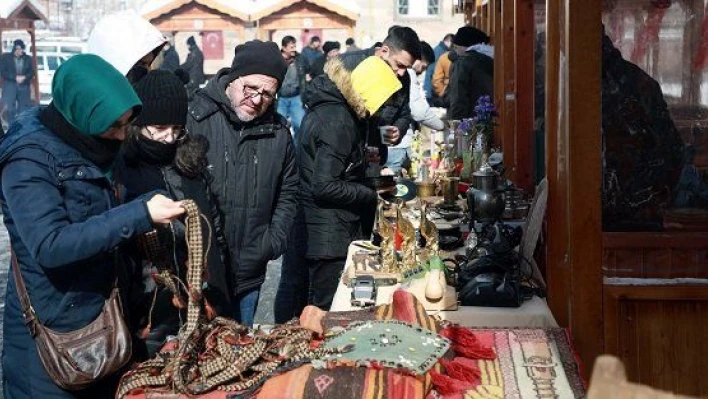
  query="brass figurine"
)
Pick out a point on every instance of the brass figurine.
point(388, 241)
point(408, 247)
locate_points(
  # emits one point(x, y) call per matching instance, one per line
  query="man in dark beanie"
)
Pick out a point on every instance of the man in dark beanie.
point(194, 66)
point(471, 72)
point(252, 162)
point(331, 50)
point(16, 72)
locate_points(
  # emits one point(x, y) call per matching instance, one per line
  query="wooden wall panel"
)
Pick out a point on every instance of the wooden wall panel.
point(504, 84)
point(574, 244)
point(524, 64)
point(558, 269)
point(185, 19)
point(660, 333)
point(655, 255)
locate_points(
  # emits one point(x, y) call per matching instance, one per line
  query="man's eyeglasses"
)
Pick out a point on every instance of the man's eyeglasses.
point(161, 133)
point(251, 92)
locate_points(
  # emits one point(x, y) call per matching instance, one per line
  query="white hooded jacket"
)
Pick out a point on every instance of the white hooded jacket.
point(123, 38)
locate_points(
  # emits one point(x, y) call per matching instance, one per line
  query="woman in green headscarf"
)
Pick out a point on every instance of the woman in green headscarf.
point(59, 209)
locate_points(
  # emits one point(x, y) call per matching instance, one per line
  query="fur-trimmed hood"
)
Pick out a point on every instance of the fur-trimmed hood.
point(335, 86)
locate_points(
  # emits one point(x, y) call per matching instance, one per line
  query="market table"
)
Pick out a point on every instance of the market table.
point(533, 313)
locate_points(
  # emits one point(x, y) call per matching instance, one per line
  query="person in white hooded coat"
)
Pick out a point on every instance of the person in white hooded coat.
point(127, 41)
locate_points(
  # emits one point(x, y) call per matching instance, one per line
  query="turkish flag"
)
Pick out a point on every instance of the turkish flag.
point(213, 45)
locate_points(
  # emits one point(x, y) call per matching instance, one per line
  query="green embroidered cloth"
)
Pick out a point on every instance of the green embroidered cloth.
point(391, 343)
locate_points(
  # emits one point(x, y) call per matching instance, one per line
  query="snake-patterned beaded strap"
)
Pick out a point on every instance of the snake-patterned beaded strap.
point(219, 354)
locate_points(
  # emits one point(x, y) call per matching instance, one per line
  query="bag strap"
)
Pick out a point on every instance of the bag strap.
point(28, 313)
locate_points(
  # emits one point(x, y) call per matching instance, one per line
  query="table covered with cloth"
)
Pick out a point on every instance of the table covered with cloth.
point(532, 313)
point(502, 363)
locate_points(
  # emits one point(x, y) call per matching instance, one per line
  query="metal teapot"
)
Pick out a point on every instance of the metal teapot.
point(485, 199)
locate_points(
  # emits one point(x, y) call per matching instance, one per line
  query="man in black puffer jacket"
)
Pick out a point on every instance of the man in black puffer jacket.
point(333, 194)
point(252, 161)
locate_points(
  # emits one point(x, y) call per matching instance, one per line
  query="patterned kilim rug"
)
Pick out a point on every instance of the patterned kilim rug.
point(526, 364)
point(482, 364)
point(531, 363)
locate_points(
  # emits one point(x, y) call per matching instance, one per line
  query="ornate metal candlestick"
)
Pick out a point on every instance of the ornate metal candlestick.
point(429, 231)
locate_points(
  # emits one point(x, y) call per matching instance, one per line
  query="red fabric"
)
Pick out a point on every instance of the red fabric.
point(648, 33)
point(404, 307)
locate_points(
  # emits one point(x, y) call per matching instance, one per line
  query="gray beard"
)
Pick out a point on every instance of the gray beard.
point(244, 117)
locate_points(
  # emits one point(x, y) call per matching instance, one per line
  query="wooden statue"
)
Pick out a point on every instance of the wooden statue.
point(408, 247)
point(388, 242)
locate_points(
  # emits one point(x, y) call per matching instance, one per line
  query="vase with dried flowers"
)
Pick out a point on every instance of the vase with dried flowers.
point(480, 128)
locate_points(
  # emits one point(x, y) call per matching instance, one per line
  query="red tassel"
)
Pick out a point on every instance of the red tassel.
point(479, 352)
point(462, 372)
point(209, 310)
point(465, 343)
point(446, 385)
point(458, 334)
point(178, 302)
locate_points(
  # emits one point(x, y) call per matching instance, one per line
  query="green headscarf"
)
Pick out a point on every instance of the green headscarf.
point(91, 94)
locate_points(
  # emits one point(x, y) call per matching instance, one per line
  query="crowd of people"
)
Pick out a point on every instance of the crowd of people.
point(275, 149)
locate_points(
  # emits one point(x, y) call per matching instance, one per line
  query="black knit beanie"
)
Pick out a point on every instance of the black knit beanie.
point(329, 46)
point(468, 36)
point(164, 100)
point(257, 57)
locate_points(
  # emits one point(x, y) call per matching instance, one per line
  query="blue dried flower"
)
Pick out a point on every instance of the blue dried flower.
point(467, 124)
point(485, 112)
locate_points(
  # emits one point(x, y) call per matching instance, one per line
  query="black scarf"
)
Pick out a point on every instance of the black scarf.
point(101, 152)
point(142, 149)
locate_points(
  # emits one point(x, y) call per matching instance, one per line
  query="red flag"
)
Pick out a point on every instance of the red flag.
point(213, 45)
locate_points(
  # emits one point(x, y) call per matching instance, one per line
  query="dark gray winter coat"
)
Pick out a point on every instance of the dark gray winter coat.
point(255, 179)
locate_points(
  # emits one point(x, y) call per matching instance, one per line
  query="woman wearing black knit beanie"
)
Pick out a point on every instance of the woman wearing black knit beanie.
point(158, 154)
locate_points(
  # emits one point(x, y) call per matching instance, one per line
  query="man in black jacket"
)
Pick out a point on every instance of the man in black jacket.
point(331, 50)
point(471, 73)
point(170, 61)
point(333, 194)
point(16, 71)
point(400, 50)
point(252, 161)
point(194, 66)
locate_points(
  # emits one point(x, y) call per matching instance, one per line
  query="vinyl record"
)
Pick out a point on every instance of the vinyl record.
point(405, 190)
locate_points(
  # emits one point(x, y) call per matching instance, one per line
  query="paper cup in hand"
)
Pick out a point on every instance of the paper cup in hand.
point(383, 130)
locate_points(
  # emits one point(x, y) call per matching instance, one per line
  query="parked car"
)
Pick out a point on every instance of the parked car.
point(47, 64)
point(67, 46)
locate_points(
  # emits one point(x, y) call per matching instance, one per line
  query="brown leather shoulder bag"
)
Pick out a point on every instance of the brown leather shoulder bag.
point(74, 360)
